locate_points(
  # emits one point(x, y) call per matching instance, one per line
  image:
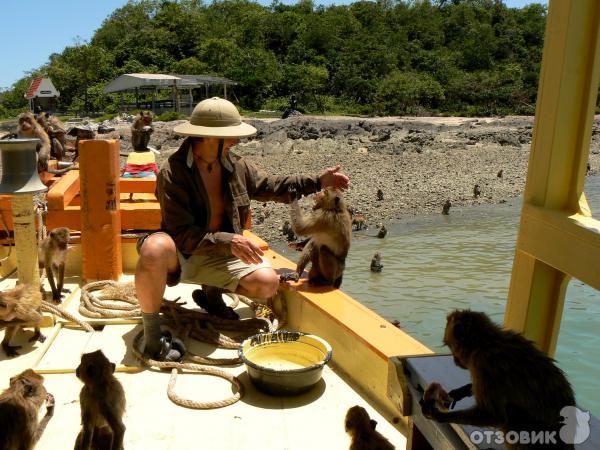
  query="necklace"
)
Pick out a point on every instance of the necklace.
point(209, 165)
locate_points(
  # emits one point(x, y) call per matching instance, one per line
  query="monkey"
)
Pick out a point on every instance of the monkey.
point(20, 307)
point(19, 406)
point(141, 129)
point(102, 401)
point(359, 221)
point(476, 191)
point(435, 394)
point(361, 429)
point(56, 132)
point(376, 265)
point(330, 230)
point(588, 168)
point(52, 254)
point(499, 175)
point(28, 127)
point(382, 232)
point(516, 387)
point(379, 194)
point(446, 208)
point(80, 133)
point(396, 323)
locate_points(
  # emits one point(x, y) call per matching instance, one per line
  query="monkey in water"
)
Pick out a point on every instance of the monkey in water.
point(376, 265)
point(102, 401)
point(361, 429)
point(141, 129)
point(19, 406)
point(382, 232)
point(476, 191)
point(516, 386)
point(446, 208)
point(20, 307)
point(330, 230)
point(52, 254)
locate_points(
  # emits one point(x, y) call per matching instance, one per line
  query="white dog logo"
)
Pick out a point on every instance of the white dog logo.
point(576, 428)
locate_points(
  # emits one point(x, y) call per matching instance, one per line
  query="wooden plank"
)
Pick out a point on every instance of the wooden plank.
point(139, 185)
point(63, 191)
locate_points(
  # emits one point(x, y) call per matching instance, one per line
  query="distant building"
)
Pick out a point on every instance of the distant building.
point(42, 95)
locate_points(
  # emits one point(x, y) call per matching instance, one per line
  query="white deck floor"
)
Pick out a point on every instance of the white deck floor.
point(314, 420)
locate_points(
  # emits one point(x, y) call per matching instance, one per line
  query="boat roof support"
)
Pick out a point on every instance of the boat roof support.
point(558, 239)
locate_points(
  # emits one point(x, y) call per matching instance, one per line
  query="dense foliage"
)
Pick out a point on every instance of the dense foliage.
point(386, 57)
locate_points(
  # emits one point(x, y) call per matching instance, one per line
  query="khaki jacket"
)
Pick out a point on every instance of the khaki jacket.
point(184, 202)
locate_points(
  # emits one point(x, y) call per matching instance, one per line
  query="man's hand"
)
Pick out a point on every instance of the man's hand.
point(333, 177)
point(246, 250)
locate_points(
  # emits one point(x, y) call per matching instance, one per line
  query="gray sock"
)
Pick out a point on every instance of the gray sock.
point(151, 323)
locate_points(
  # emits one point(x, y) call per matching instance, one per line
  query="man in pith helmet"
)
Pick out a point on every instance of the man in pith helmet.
point(204, 194)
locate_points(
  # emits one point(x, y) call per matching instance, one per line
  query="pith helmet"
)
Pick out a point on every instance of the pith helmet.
point(215, 117)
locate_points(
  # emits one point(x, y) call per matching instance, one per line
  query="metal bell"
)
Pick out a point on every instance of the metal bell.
point(19, 167)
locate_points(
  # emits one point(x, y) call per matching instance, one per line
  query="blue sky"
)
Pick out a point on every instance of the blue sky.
point(26, 39)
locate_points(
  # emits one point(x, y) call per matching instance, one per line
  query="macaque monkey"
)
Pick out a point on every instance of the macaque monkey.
point(382, 232)
point(516, 386)
point(499, 175)
point(359, 221)
point(141, 129)
point(376, 265)
point(379, 194)
point(330, 230)
point(19, 407)
point(56, 132)
point(361, 429)
point(52, 254)
point(446, 208)
point(29, 128)
point(20, 307)
point(476, 191)
point(102, 401)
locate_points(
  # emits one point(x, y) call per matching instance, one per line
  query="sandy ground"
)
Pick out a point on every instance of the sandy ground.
point(418, 162)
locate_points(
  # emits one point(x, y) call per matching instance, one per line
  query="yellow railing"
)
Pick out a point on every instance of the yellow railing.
point(558, 239)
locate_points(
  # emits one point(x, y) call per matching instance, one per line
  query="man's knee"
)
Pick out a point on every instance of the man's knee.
point(158, 252)
point(262, 283)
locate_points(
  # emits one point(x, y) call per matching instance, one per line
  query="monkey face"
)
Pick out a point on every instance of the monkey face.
point(94, 367)
point(29, 384)
point(60, 236)
point(329, 198)
point(26, 124)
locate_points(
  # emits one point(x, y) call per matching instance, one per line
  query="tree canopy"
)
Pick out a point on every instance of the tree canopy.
point(386, 57)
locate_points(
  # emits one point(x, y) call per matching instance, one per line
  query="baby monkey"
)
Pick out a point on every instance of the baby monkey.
point(361, 429)
point(330, 230)
point(52, 254)
point(19, 406)
point(102, 401)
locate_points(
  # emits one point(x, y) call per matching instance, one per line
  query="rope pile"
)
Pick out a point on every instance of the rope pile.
point(118, 300)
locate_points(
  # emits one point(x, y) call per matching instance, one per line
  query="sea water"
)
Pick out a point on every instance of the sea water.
point(435, 263)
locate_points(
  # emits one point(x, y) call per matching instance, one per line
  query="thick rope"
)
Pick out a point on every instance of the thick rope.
point(57, 310)
point(206, 370)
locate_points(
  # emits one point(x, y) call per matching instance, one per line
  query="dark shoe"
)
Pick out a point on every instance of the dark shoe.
point(171, 349)
point(211, 300)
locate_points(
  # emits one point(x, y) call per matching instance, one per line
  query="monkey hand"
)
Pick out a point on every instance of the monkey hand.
point(430, 410)
point(50, 404)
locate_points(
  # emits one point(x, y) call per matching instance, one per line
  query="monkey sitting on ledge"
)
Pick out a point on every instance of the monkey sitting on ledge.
point(516, 386)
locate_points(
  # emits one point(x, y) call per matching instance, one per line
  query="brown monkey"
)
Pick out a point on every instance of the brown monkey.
point(29, 128)
point(20, 307)
point(446, 208)
point(516, 386)
point(141, 129)
point(382, 232)
point(361, 429)
point(102, 401)
point(376, 265)
point(19, 406)
point(56, 132)
point(379, 195)
point(499, 175)
point(52, 254)
point(359, 221)
point(330, 230)
point(476, 191)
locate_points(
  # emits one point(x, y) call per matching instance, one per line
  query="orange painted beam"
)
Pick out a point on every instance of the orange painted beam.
point(63, 191)
point(138, 185)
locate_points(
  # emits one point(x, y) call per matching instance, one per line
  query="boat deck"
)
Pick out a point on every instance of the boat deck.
point(309, 421)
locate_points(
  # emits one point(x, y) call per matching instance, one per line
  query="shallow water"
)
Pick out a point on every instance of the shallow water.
point(433, 264)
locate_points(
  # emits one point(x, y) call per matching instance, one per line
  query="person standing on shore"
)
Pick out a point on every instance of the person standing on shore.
point(204, 194)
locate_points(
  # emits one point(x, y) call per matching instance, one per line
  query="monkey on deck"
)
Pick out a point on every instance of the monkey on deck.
point(102, 401)
point(516, 386)
point(19, 406)
point(362, 430)
point(20, 307)
point(330, 230)
point(52, 254)
point(56, 132)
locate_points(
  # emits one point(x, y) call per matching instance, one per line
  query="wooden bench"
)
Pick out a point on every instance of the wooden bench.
point(415, 374)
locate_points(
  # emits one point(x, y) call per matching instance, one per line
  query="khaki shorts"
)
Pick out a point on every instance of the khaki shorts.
point(224, 272)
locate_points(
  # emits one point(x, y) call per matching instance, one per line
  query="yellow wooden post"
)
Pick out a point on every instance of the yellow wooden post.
point(557, 238)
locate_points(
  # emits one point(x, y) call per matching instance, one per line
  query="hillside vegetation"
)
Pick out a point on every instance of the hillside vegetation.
point(466, 57)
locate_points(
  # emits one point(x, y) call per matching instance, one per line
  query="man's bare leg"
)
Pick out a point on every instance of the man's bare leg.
point(158, 257)
point(261, 284)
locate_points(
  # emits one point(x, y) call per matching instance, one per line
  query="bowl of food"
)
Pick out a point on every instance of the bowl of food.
point(285, 362)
